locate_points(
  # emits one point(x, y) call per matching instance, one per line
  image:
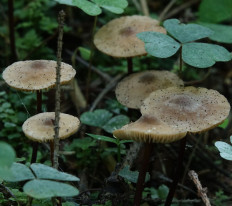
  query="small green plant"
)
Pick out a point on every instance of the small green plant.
point(225, 149)
point(196, 54)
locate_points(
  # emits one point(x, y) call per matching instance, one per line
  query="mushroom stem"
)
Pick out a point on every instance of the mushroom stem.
point(38, 110)
point(142, 174)
point(129, 65)
point(177, 173)
point(181, 63)
point(52, 152)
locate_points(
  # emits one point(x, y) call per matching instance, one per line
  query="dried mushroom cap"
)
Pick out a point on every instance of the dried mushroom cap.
point(149, 129)
point(132, 90)
point(36, 75)
point(40, 128)
point(189, 109)
point(118, 37)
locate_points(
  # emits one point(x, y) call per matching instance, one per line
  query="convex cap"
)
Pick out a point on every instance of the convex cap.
point(118, 37)
point(40, 128)
point(149, 129)
point(188, 109)
point(133, 89)
point(36, 75)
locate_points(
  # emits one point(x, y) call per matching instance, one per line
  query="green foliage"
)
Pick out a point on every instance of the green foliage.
point(186, 32)
point(224, 124)
point(215, 11)
point(131, 176)
point(222, 33)
point(219, 198)
point(85, 53)
point(199, 55)
point(103, 119)
point(40, 189)
point(93, 7)
point(7, 157)
point(224, 149)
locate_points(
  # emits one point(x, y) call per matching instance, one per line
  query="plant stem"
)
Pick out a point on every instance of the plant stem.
point(11, 30)
point(181, 63)
point(129, 65)
point(61, 17)
point(90, 60)
point(142, 173)
point(52, 152)
point(119, 152)
point(177, 173)
point(38, 110)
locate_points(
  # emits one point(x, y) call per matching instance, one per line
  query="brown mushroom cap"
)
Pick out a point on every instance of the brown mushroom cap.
point(132, 90)
point(118, 37)
point(189, 109)
point(36, 75)
point(149, 129)
point(40, 128)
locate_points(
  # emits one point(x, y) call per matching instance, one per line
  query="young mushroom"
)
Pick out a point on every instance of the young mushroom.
point(182, 110)
point(118, 37)
point(40, 127)
point(133, 89)
point(35, 75)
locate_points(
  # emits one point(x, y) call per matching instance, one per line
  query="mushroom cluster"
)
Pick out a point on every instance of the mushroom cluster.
point(37, 75)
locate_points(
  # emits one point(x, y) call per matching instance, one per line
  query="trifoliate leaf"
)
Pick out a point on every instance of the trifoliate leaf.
point(115, 6)
point(86, 6)
point(41, 189)
point(204, 55)
point(186, 32)
point(116, 123)
point(7, 155)
point(45, 172)
point(97, 118)
point(224, 149)
point(159, 45)
point(222, 33)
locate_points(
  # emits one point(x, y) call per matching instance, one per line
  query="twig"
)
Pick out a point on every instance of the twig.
point(105, 91)
point(57, 107)
point(201, 191)
point(180, 8)
point(159, 201)
point(137, 5)
point(144, 7)
point(166, 10)
point(104, 76)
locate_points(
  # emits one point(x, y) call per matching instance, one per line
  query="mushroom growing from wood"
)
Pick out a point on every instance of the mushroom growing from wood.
point(118, 37)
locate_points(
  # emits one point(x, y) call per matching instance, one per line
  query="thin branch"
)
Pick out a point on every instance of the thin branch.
point(201, 191)
point(57, 108)
point(144, 7)
point(166, 10)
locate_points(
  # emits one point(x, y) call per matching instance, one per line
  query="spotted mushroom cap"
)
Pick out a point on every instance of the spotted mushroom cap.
point(36, 75)
point(40, 128)
point(118, 37)
point(133, 89)
point(189, 109)
point(149, 129)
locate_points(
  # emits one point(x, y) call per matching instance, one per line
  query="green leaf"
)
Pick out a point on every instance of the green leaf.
point(186, 32)
point(163, 192)
point(103, 138)
point(131, 176)
point(97, 118)
point(224, 149)
point(83, 143)
point(158, 44)
point(204, 55)
point(115, 6)
point(41, 189)
point(19, 172)
point(224, 124)
point(125, 141)
point(85, 53)
point(86, 6)
point(7, 155)
point(222, 33)
point(45, 172)
point(215, 11)
point(116, 123)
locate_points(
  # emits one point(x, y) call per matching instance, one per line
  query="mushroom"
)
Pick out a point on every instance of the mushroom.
point(182, 110)
point(118, 37)
point(35, 75)
point(40, 127)
point(133, 89)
